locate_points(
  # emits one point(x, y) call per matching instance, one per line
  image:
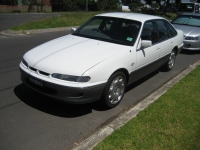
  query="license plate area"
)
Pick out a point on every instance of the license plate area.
point(35, 81)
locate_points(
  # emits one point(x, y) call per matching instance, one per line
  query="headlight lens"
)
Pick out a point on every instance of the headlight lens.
point(71, 78)
point(192, 38)
point(24, 63)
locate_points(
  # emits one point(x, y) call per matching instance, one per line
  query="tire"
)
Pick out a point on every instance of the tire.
point(114, 90)
point(171, 61)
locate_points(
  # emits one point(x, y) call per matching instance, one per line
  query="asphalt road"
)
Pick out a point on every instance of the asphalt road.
point(9, 20)
point(30, 121)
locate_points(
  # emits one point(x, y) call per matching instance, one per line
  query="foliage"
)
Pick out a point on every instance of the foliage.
point(155, 7)
point(155, 4)
point(133, 7)
point(42, 5)
point(32, 3)
point(80, 5)
point(107, 5)
point(24, 2)
point(8, 2)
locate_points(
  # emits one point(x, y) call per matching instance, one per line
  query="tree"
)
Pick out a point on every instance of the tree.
point(92, 5)
point(31, 3)
point(75, 5)
point(165, 5)
point(42, 5)
point(133, 7)
point(8, 2)
point(107, 5)
point(25, 2)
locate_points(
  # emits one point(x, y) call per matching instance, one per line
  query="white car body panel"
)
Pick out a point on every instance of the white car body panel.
point(147, 55)
point(68, 53)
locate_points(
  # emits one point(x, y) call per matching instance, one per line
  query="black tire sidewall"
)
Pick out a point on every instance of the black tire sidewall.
point(166, 67)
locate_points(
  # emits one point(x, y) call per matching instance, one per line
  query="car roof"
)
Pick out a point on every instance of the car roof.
point(131, 16)
point(187, 13)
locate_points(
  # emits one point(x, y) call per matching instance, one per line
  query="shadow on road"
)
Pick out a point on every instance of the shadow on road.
point(140, 81)
point(190, 52)
point(52, 106)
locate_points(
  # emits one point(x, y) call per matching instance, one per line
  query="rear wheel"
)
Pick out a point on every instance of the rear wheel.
point(171, 61)
point(114, 90)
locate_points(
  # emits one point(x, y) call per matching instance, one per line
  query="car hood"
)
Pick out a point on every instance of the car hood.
point(71, 54)
point(188, 30)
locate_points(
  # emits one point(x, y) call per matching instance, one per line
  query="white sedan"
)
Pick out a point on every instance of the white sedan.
point(100, 58)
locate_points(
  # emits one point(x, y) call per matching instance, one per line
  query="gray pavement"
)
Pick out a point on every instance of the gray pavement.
point(8, 20)
point(36, 31)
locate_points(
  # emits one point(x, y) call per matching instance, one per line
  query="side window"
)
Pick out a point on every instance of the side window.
point(171, 31)
point(162, 29)
point(150, 32)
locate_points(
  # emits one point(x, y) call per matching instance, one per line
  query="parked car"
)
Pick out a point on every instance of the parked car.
point(100, 58)
point(189, 23)
point(172, 9)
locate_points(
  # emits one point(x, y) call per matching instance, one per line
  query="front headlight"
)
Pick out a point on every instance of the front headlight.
point(24, 63)
point(71, 78)
point(192, 38)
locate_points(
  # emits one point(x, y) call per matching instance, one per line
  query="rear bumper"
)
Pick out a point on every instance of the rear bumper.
point(180, 48)
point(67, 94)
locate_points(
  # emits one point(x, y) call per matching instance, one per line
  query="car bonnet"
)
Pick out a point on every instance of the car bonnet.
point(71, 54)
point(188, 30)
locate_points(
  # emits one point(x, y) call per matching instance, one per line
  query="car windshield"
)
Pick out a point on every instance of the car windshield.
point(114, 30)
point(187, 20)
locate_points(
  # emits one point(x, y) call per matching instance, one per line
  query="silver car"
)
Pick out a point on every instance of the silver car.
point(189, 23)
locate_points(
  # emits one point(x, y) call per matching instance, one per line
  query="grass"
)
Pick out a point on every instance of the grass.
point(65, 20)
point(172, 122)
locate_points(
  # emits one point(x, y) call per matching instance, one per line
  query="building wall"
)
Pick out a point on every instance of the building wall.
point(46, 2)
point(21, 8)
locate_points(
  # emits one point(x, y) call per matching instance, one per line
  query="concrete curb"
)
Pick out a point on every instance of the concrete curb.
point(36, 31)
point(101, 134)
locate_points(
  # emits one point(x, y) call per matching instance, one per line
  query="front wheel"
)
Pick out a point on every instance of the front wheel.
point(114, 90)
point(171, 61)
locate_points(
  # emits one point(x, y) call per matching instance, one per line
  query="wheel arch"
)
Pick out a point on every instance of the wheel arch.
point(176, 50)
point(124, 71)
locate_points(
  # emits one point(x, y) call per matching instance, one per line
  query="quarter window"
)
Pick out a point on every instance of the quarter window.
point(171, 31)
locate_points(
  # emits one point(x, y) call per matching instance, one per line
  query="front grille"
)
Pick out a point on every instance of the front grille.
point(43, 73)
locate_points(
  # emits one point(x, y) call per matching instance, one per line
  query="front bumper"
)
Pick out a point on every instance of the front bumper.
point(67, 94)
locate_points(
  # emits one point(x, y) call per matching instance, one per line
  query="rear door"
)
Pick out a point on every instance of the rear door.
point(165, 37)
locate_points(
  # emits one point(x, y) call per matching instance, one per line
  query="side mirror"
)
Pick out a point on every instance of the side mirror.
point(146, 43)
point(72, 30)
